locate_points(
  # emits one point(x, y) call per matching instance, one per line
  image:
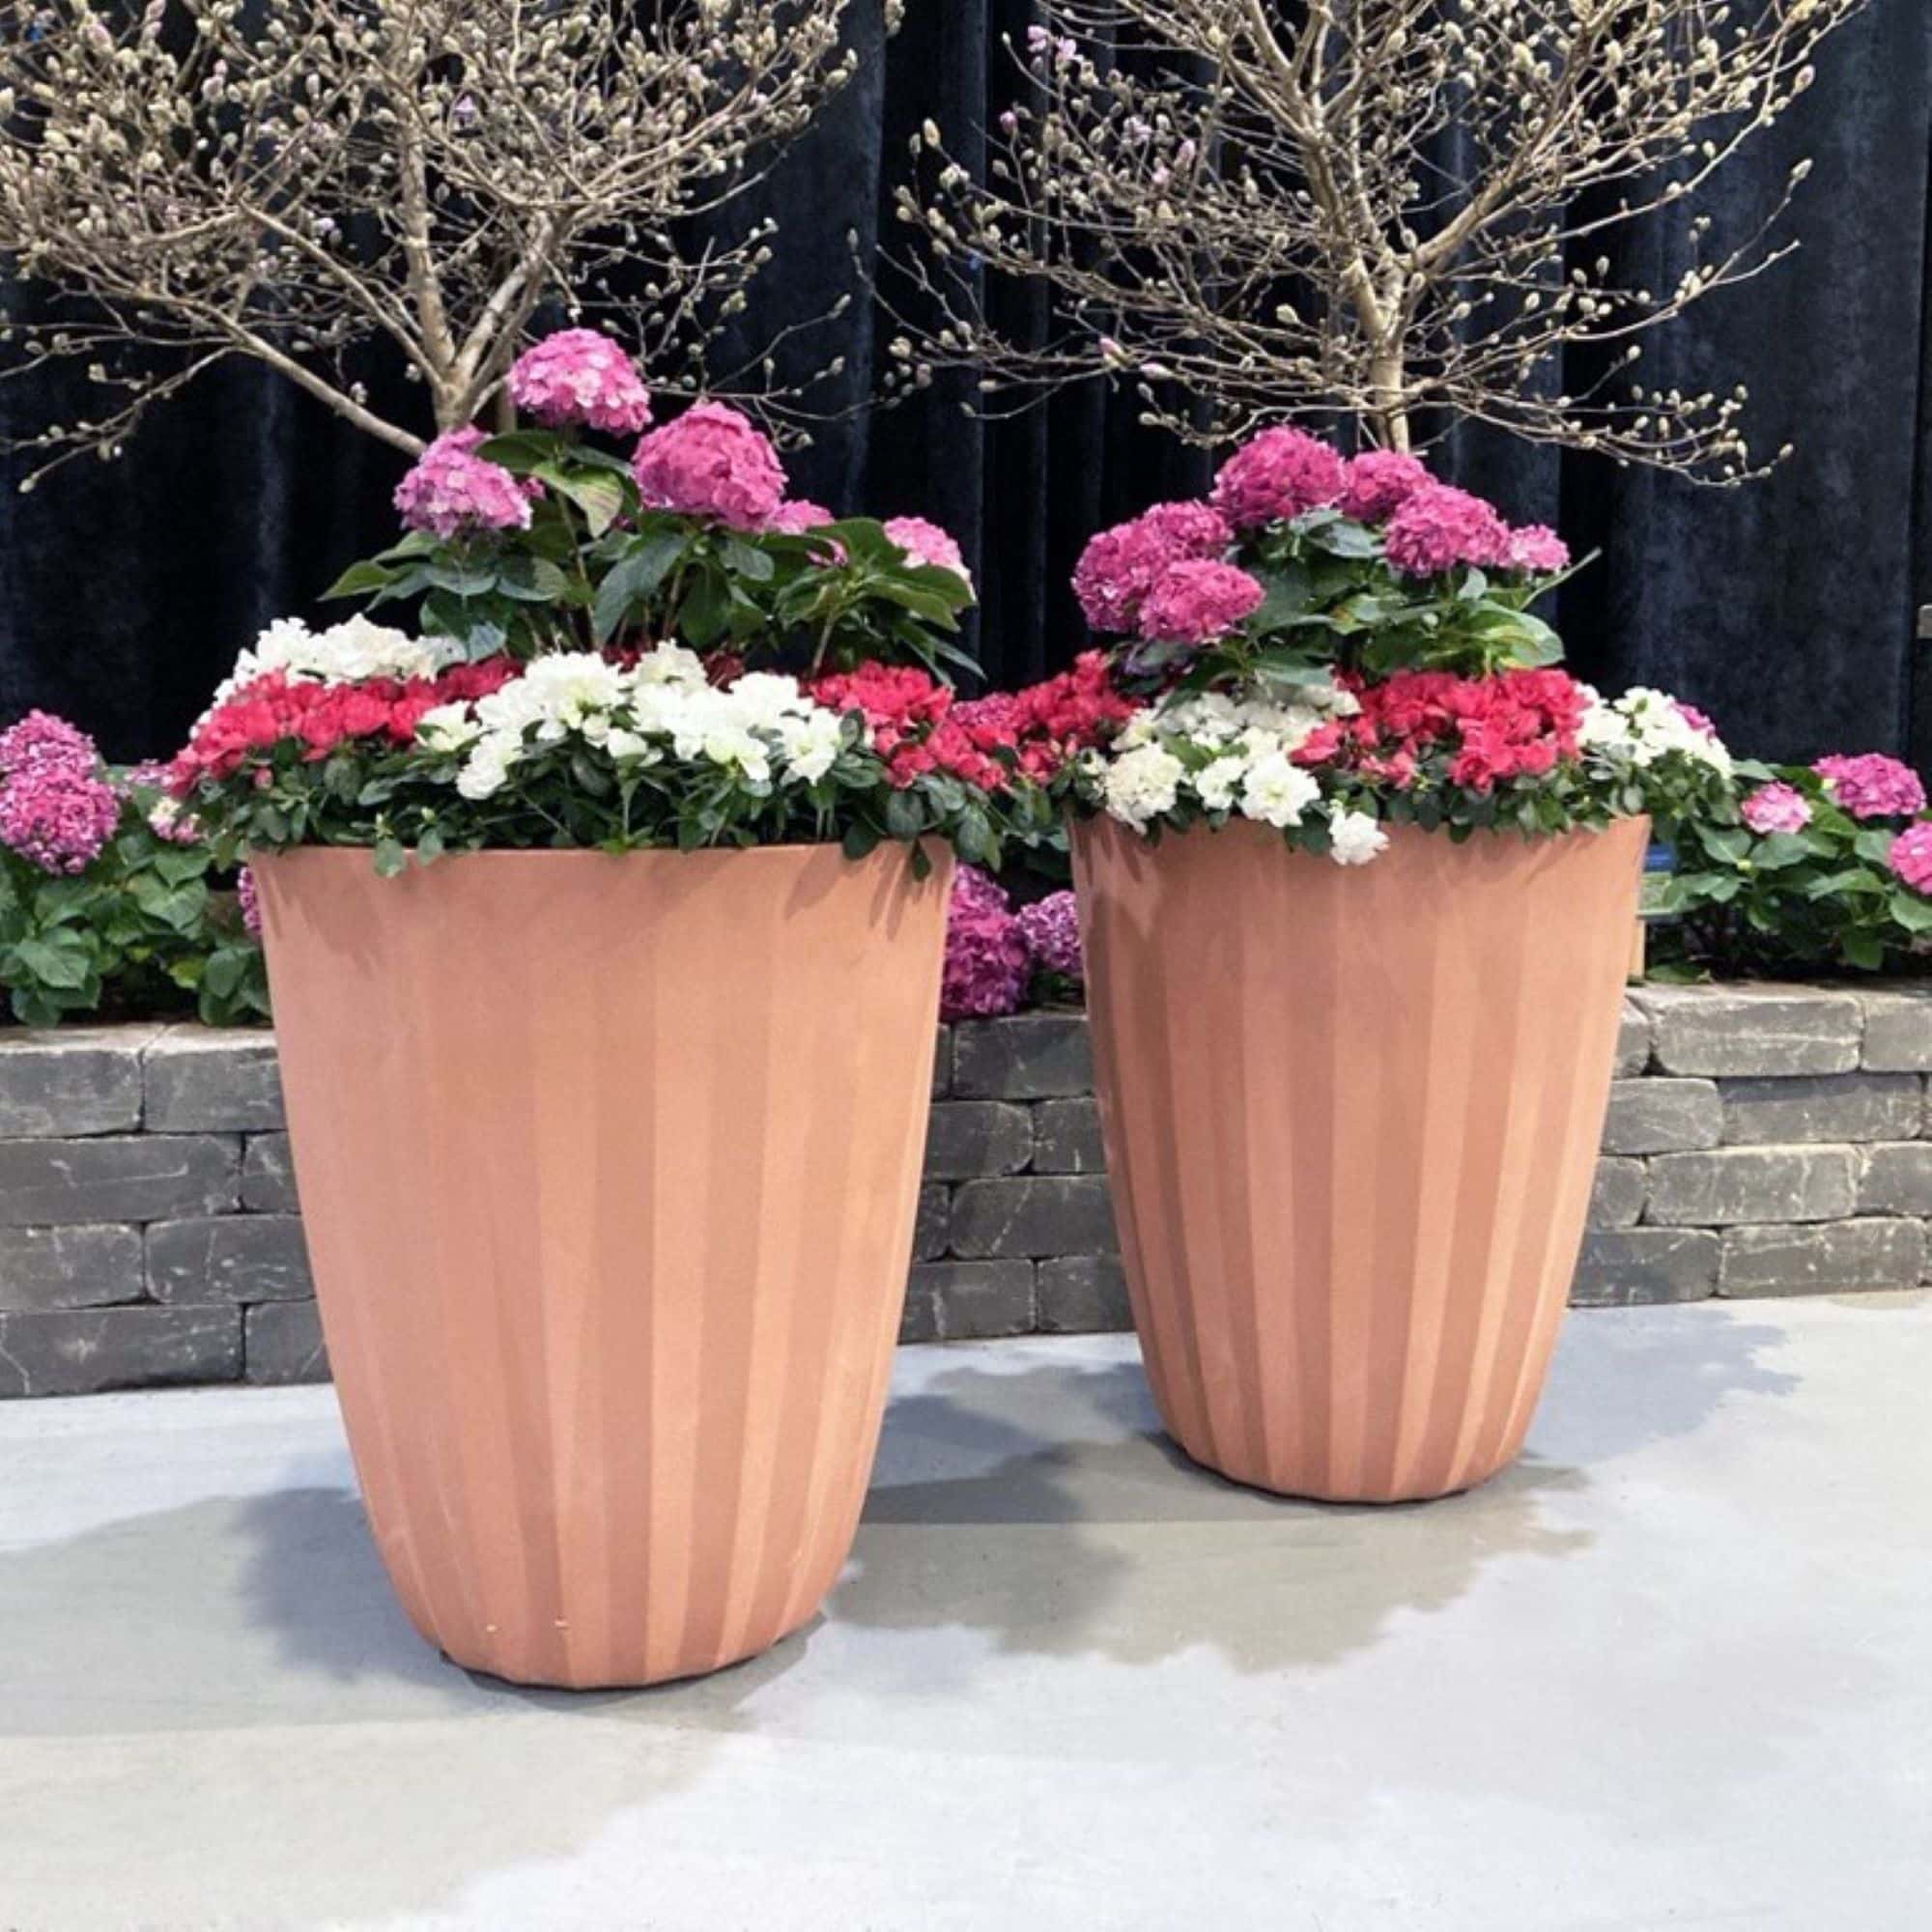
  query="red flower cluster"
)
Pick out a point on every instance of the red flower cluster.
point(918, 726)
point(277, 709)
point(1518, 723)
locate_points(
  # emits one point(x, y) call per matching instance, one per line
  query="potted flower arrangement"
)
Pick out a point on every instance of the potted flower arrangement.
point(603, 915)
point(1357, 866)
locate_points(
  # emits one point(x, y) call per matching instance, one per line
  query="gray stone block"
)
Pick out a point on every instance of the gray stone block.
point(1773, 1031)
point(1834, 1258)
point(1742, 1184)
point(1632, 1040)
point(269, 1175)
point(282, 1343)
point(942, 1064)
point(1083, 1295)
point(1067, 1138)
point(1898, 1029)
point(69, 1267)
point(212, 1080)
point(64, 1084)
point(931, 1230)
point(1897, 1180)
point(971, 1302)
point(132, 1177)
point(82, 1351)
point(1616, 1197)
point(229, 1257)
point(1032, 1215)
point(1823, 1107)
point(1034, 1057)
point(967, 1140)
point(1632, 1268)
point(1662, 1116)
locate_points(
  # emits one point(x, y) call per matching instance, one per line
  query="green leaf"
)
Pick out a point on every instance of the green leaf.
point(600, 496)
point(858, 840)
point(1863, 950)
point(531, 579)
point(1912, 913)
point(633, 577)
point(748, 560)
point(360, 579)
point(390, 858)
point(58, 965)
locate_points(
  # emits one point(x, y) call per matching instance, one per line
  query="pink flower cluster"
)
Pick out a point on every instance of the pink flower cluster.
point(1119, 566)
point(1438, 527)
point(1195, 603)
point(1282, 473)
point(992, 952)
point(580, 376)
point(1872, 786)
point(927, 545)
point(1378, 482)
point(251, 903)
point(711, 462)
point(57, 810)
point(453, 489)
point(1911, 857)
point(1776, 807)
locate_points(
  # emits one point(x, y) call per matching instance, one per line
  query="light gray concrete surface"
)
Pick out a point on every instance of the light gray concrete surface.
point(1673, 1672)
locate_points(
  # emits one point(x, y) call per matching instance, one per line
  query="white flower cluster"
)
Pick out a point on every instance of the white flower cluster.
point(763, 729)
point(345, 653)
point(1648, 724)
point(1230, 755)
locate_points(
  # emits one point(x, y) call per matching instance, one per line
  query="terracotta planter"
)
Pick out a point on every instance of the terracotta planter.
point(608, 1168)
point(1351, 1120)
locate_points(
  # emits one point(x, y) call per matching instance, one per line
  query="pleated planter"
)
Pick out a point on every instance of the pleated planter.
point(1351, 1120)
point(608, 1168)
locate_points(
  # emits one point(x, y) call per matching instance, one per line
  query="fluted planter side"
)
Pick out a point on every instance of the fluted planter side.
point(610, 1168)
point(1352, 1118)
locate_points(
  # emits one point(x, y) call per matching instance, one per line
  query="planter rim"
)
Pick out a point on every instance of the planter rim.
point(525, 855)
point(1087, 821)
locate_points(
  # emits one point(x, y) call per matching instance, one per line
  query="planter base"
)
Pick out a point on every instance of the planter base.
point(1352, 1119)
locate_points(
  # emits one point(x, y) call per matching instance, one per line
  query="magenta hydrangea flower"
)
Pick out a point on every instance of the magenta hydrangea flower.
point(40, 739)
point(1776, 807)
point(987, 959)
point(712, 462)
point(57, 816)
point(1440, 527)
point(927, 545)
point(1119, 566)
point(1378, 482)
point(1051, 929)
point(580, 376)
point(1280, 474)
point(1196, 602)
point(452, 490)
point(1537, 549)
point(1872, 786)
point(1911, 857)
point(251, 903)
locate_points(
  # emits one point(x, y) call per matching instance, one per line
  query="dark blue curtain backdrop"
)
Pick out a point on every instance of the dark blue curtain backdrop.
point(1786, 610)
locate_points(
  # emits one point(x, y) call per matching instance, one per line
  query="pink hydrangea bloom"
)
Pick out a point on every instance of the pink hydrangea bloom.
point(1281, 473)
point(1538, 549)
point(1194, 602)
point(249, 900)
point(1872, 786)
point(580, 376)
point(452, 488)
point(1698, 721)
point(927, 545)
point(57, 816)
point(1776, 807)
point(987, 959)
point(1440, 527)
point(1911, 857)
point(711, 462)
point(1051, 929)
point(1378, 482)
point(40, 738)
point(797, 516)
point(1119, 566)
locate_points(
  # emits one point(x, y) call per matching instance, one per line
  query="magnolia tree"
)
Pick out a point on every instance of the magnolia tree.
point(1383, 208)
point(201, 180)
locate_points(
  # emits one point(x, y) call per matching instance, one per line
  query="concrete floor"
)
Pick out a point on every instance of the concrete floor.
point(1674, 1670)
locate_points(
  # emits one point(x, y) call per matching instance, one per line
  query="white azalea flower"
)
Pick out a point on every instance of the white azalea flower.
point(487, 769)
point(1143, 784)
point(1355, 837)
point(811, 743)
point(449, 727)
point(1216, 784)
point(1277, 793)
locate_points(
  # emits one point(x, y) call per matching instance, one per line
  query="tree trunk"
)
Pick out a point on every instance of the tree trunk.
point(1388, 410)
